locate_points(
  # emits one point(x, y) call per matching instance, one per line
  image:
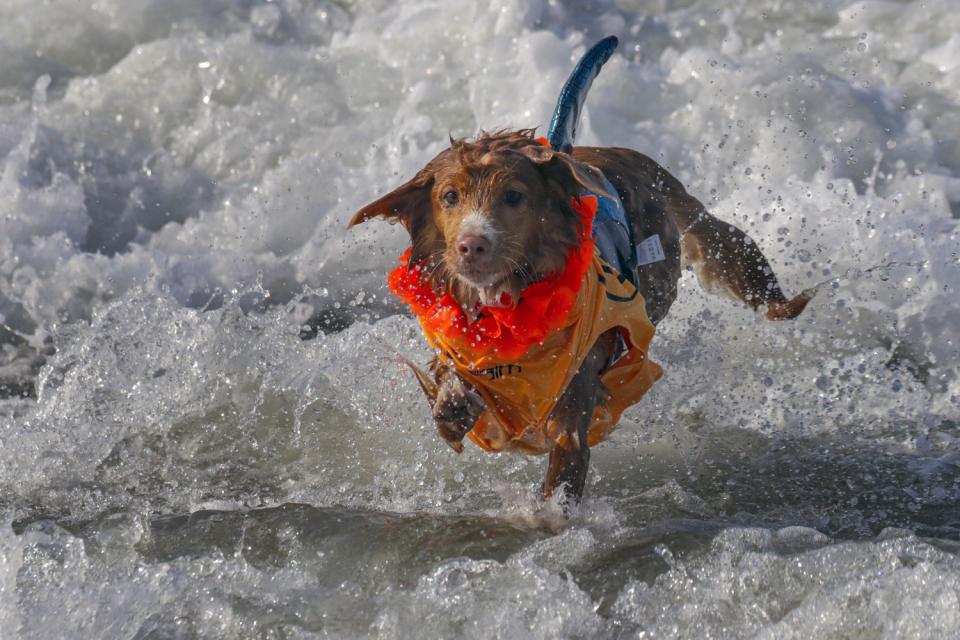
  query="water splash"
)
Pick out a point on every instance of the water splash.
point(174, 182)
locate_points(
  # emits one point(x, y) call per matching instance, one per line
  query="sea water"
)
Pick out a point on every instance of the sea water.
point(207, 428)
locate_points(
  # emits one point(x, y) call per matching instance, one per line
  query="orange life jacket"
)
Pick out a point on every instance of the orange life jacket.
point(522, 390)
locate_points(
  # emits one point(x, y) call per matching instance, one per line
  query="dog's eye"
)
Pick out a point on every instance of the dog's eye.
point(450, 198)
point(512, 197)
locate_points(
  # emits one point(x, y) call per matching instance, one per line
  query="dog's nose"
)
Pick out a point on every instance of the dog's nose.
point(470, 247)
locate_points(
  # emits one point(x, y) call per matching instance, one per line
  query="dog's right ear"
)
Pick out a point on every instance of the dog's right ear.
point(403, 204)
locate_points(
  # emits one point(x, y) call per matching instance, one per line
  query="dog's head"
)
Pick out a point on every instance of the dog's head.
point(490, 216)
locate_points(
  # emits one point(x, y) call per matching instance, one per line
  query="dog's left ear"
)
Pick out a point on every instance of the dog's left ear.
point(405, 203)
point(561, 167)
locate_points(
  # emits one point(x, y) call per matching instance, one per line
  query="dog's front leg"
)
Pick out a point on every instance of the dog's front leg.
point(456, 406)
point(570, 456)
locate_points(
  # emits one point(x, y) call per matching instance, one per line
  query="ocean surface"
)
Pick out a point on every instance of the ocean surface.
point(207, 431)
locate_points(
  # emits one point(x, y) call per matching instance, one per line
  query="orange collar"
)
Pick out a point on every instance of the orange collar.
point(543, 307)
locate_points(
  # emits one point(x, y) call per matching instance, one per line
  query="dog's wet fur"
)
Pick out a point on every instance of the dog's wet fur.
point(489, 217)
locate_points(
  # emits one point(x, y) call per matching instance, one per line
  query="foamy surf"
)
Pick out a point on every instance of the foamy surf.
point(175, 179)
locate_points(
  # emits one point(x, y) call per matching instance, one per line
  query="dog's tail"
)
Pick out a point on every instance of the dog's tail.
point(727, 261)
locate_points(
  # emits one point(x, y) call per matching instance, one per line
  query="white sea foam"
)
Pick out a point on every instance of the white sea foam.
point(175, 181)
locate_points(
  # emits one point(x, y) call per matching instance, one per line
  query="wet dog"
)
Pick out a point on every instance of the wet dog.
point(491, 217)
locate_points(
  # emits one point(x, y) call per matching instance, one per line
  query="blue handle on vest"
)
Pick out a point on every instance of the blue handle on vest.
point(563, 126)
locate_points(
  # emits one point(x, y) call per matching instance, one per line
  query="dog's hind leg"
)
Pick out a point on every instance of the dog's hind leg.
point(728, 261)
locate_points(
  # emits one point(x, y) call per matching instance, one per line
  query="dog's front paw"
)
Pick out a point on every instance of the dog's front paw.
point(457, 408)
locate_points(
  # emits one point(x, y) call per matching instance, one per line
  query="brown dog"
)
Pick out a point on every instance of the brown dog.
point(490, 217)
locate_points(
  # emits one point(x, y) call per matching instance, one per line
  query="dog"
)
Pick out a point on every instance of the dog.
point(492, 219)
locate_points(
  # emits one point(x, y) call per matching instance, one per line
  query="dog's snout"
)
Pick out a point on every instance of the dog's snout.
point(474, 247)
